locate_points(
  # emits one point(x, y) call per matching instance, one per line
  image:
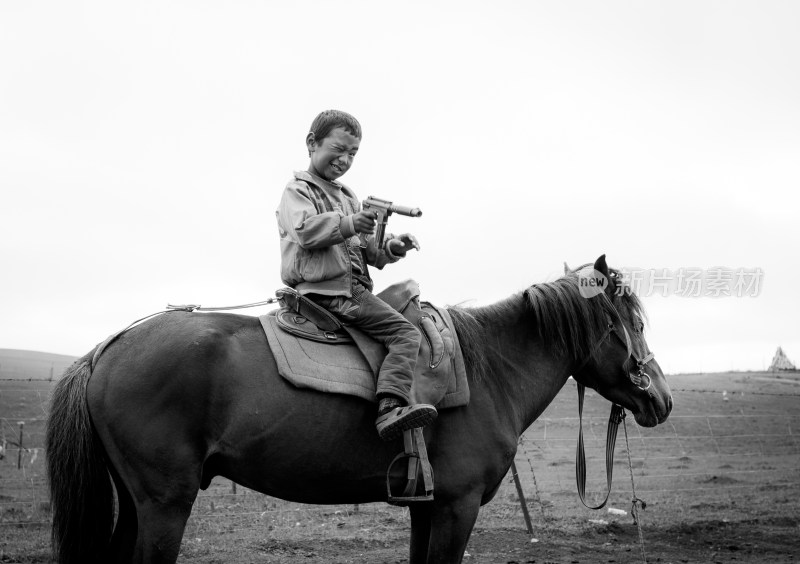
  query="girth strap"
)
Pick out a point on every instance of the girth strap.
point(614, 419)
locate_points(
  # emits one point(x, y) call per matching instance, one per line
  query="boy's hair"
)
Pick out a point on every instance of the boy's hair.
point(329, 120)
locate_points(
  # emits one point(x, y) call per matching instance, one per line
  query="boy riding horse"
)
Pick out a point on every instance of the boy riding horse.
point(326, 244)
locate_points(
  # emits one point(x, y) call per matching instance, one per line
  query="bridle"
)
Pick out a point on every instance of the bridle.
point(617, 411)
point(641, 363)
point(640, 375)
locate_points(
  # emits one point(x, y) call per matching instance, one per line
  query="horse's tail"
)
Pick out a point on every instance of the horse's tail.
point(81, 495)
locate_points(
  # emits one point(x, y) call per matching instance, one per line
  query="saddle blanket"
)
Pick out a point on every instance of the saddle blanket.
point(342, 368)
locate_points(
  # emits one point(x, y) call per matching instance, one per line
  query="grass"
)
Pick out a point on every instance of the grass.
point(722, 457)
point(32, 365)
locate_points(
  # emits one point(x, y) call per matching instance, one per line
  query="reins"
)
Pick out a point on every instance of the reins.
point(615, 417)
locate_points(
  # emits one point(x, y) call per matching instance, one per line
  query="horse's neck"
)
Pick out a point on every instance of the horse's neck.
point(523, 378)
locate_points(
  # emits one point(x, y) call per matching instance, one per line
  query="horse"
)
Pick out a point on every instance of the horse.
point(184, 397)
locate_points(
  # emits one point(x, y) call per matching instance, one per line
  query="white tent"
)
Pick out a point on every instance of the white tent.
point(781, 362)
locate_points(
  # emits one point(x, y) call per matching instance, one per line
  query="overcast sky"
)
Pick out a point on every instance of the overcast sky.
point(144, 148)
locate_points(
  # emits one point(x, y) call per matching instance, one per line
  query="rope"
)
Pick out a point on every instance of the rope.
point(170, 308)
point(102, 346)
point(194, 307)
point(635, 502)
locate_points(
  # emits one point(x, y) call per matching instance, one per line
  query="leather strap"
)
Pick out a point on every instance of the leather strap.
point(413, 465)
point(614, 419)
point(292, 300)
point(427, 471)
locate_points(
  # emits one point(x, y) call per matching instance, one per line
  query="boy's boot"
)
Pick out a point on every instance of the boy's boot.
point(394, 417)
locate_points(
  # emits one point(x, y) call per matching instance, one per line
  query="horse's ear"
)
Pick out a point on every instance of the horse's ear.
point(601, 267)
point(567, 269)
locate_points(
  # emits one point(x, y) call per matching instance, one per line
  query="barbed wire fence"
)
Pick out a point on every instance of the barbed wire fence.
point(721, 452)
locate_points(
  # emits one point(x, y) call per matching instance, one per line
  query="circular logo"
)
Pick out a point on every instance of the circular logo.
point(591, 282)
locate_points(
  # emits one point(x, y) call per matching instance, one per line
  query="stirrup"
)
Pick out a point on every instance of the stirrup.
point(417, 455)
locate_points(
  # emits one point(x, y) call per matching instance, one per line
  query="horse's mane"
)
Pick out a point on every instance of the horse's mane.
point(568, 324)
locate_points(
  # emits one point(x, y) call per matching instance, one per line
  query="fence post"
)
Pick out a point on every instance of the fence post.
point(522, 502)
point(19, 452)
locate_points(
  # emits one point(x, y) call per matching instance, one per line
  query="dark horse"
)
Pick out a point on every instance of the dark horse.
point(185, 397)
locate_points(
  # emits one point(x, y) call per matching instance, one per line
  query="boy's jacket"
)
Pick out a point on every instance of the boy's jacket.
point(315, 240)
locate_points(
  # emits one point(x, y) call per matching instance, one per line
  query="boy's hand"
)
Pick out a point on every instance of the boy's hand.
point(401, 244)
point(364, 222)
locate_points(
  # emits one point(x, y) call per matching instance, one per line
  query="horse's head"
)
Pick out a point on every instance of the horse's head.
point(620, 366)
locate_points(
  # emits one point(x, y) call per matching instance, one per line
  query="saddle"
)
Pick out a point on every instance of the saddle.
point(301, 335)
point(314, 349)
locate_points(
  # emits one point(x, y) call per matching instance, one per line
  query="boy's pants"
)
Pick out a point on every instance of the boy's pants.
point(383, 323)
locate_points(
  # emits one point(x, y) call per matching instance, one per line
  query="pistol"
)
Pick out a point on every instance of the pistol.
point(384, 209)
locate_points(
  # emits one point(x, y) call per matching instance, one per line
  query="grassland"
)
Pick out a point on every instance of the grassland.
point(32, 365)
point(719, 478)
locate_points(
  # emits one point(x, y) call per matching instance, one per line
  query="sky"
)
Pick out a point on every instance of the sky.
point(144, 148)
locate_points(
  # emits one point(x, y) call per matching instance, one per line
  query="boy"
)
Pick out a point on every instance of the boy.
point(326, 244)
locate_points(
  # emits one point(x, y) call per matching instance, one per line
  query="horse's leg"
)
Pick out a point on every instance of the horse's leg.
point(451, 526)
point(420, 533)
point(161, 526)
point(123, 540)
point(162, 489)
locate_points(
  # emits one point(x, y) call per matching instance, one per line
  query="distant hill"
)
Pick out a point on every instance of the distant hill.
point(32, 365)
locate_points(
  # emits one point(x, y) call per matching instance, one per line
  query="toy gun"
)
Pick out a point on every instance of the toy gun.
point(383, 209)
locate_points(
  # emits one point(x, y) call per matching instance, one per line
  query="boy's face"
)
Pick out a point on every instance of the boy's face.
point(333, 156)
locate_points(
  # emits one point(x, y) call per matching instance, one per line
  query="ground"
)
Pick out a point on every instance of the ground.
point(767, 541)
point(719, 478)
point(711, 541)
